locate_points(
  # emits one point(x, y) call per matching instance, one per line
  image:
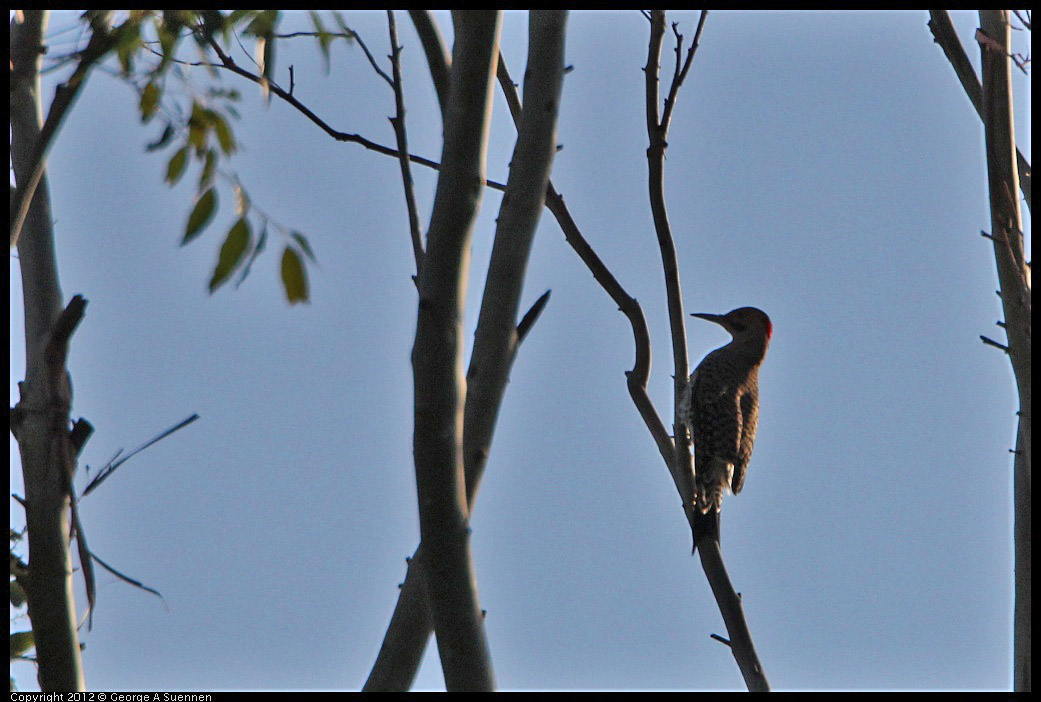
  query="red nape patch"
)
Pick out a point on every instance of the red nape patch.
point(769, 328)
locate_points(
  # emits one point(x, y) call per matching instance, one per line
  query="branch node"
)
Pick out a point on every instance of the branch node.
point(995, 344)
point(720, 639)
point(531, 316)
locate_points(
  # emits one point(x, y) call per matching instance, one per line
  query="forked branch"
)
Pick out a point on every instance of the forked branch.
point(728, 600)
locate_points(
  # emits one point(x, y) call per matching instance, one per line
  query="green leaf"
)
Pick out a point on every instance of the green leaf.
point(149, 101)
point(17, 594)
point(294, 279)
point(128, 42)
point(237, 16)
point(175, 168)
point(201, 215)
point(342, 23)
point(163, 139)
point(268, 64)
point(261, 241)
point(324, 38)
point(241, 200)
point(21, 641)
point(231, 252)
point(208, 169)
point(304, 245)
point(224, 136)
point(198, 128)
point(263, 24)
point(168, 38)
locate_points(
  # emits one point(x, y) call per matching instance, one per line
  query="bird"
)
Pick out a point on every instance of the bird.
point(721, 408)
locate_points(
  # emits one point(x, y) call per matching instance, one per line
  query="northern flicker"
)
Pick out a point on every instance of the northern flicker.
point(722, 411)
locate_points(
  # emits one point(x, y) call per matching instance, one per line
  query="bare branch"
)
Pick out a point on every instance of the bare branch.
point(228, 63)
point(352, 35)
point(101, 41)
point(434, 48)
point(680, 74)
point(680, 462)
point(942, 27)
point(40, 421)
point(1014, 277)
point(401, 136)
point(530, 317)
point(437, 360)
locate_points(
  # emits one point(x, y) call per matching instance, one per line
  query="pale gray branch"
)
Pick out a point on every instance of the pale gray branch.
point(1014, 277)
point(437, 359)
point(40, 420)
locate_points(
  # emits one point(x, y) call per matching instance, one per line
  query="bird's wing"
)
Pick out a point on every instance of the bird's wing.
point(714, 417)
point(750, 417)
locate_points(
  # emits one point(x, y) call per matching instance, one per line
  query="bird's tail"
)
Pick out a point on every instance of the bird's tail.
point(705, 526)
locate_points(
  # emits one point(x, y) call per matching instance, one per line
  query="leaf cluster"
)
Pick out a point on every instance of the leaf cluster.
point(198, 128)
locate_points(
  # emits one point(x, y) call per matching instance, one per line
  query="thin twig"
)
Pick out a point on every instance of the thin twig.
point(729, 602)
point(229, 64)
point(101, 41)
point(942, 28)
point(531, 316)
point(350, 34)
point(680, 74)
point(398, 122)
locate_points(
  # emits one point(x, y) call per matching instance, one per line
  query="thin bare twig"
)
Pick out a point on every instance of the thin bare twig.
point(398, 122)
point(728, 600)
point(942, 28)
point(101, 41)
point(228, 63)
point(680, 74)
point(349, 34)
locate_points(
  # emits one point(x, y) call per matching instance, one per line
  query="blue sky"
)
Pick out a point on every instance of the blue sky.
point(826, 167)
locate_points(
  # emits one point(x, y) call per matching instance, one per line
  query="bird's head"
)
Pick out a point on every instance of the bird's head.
point(742, 323)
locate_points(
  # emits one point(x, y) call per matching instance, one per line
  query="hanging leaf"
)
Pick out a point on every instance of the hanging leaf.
point(128, 42)
point(294, 278)
point(324, 38)
point(21, 641)
point(269, 65)
point(201, 215)
point(163, 139)
point(261, 241)
point(342, 23)
point(231, 253)
point(198, 128)
point(175, 168)
point(149, 101)
point(17, 594)
point(224, 135)
point(241, 200)
point(208, 169)
point(304, 245)
point(263, 24)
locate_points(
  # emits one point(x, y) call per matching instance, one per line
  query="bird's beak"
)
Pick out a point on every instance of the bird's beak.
point(717, 318)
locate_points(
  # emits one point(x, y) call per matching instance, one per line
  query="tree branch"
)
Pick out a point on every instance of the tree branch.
point(434, 48)
point(496, 339)
point(228, 63)
point(680, 465)
point(101, 41)
point(741, 645)
point(942, 27)
point(437, 360)
point(410, 625)
point(42, 428)
point(1014, 277)
point(398, 122)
